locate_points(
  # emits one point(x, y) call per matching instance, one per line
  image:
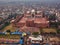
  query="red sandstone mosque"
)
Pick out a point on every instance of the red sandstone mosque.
point(33, 19)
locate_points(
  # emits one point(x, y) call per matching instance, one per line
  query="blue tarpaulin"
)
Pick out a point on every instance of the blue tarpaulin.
point(17, 33)
point(47, 44)
point(35, 44)
point(21, 41)
point(2, 33)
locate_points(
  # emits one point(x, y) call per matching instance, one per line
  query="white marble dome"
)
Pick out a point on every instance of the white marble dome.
point(28, 11)
point(32, 10)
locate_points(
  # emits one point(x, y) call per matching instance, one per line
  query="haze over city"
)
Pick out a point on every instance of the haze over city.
point(29, 22)
point(30, 0)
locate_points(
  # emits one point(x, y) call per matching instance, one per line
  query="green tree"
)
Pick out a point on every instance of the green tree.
point(7, 23)
point(41, 30)
point(58, 31)
point(8, 31)
point(35, 34)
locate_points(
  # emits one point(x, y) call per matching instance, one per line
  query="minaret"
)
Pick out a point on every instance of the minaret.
point(33, 13)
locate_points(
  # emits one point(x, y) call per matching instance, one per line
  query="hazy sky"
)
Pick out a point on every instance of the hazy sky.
point(27, 0)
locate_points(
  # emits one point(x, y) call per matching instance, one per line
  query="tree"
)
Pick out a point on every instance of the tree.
point(41, 30)
point(8, 31)
point(35, 34)
point(7, 23)
point(52, 17)
point(58, 31)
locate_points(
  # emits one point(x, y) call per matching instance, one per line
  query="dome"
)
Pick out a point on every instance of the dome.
point(32, 10)
point(28, 11)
